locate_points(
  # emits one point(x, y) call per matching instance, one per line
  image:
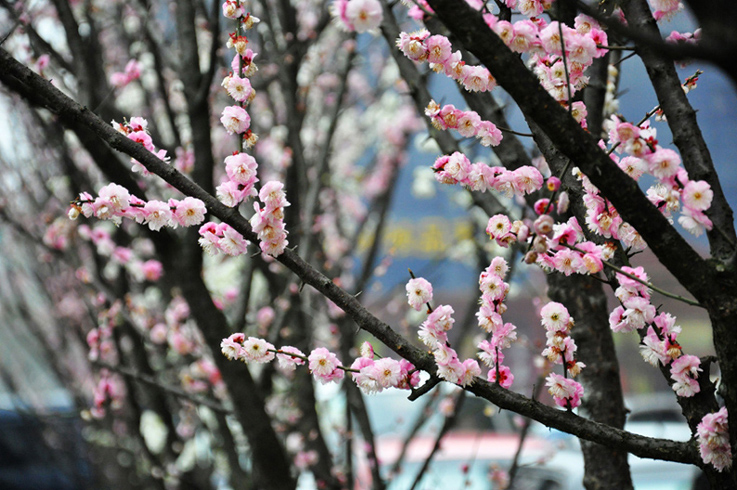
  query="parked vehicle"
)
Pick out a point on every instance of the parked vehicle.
point(41, 452)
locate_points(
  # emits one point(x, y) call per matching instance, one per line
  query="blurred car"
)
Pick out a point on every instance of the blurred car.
point(653, 415)
point(550, 460)
point(41, 452)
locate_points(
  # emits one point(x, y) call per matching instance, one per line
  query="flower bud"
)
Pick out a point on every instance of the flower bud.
point(540, 244)
point(553, 183)
point(543, 224)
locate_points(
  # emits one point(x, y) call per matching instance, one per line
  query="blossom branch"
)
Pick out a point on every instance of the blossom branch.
point(72, 114)
point(578, 145)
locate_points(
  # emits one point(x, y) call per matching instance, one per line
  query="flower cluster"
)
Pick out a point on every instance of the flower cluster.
point(434, 334)
point(131, 72)
point(603, 219)
point(712, 434)
point(684, 37)
point(114, 203)
point(635, 311)
point(132, 259)
point(673, 191)
point(420, 46)
point(544, 43)
point(561, 349)
point(370, 375)
point(684, 372)
point(221, 237)
point(136, 130)
point(458, 169)
point(269, 221)
point(109, 392)
point(561, 247)
point(493, 292)
point(659, 344)
point(357, 15)
point(373, 376)
point(100, 340)
point(665, 8)
point(505, 231)
point(241, 171)
point(234, 118)
point(467, 123)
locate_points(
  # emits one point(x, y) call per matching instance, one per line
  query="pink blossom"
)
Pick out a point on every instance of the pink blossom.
point(288, 362)
point(477, 79)
point(471, 369)
point(695, 222)
point(504, 336)
point(324, 365)
point(638, 312)
point(430, 336)
point(713, 436)
point(264, 316)
point(152, 270)
point(452, 169)
point(468, 124)
point(235, 119)
point(241, 168)
point(143, 138)
point(653, 349)
point(419, 292)
point(407, 380)
point(451, 372)
point(527, 180)
point(232, 9)
point(239, 88)
point(364, 378)
point(697, 195)
point(116, 196)
point(580, 48)
point(444, 354)
point(488, 133)
point(490, 354)
point(683, 372)
point(363, 15)
point(438, 49)
point(157, 214)
point(566, 392)
point(190, 211)
point(498, 225)
point(505, 30)
point(664, 163)
point(272, 195)
point(387, 372)
point(413, 46)
point(232, 242)
point(229, 193)
point(568, 261)
point(441, 319)
point(493, 288)
point(633, 166)
point(232, 347)
point(506, 378)
point(555, 316)
point(525, 35)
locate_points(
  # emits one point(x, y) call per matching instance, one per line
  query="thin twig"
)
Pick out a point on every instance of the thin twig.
point(169, 389)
